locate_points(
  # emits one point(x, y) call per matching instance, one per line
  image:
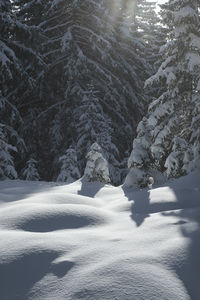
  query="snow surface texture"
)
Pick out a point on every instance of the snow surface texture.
point(94, 241)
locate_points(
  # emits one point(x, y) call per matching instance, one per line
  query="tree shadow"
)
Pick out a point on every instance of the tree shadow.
point(188, 220)
point(185, 206)
point(140, 207)
point(19, 276)
point(90, 189)
point(189, 271)
point(62, 268)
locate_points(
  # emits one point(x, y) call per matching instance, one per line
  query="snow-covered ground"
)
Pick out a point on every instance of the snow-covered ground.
point(89, 241)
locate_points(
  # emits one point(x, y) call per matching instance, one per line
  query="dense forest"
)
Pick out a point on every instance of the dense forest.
point(97, 79)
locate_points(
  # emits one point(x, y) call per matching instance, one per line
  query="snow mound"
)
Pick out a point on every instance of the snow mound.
point(94, 241)
point(45, 218)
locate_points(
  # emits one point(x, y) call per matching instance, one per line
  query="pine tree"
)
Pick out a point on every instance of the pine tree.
point(140, 158)
point(90, 54)
point(83, 44)
point(9, 63)
point(94, 125)
point(150, 31)
point(51, 127)
point(10, 66)
point(29, 15)
point(7, 167)
point(172, 114)
point(18, 53)
point(95, 54)
point(97, 166)
point(175, 161)
point(69, 171)
point(18, 71)
point(30, 171)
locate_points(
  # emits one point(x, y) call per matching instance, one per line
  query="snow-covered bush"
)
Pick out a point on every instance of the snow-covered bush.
point(69, 171)
point(30, 171)
point(140, 178)
point(136, 178)
point(97, 166)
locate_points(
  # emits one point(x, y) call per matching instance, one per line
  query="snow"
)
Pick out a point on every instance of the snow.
point(97, 166)
point(93, 241)
point(195, 41)
point(193, 61)
point(184, 12)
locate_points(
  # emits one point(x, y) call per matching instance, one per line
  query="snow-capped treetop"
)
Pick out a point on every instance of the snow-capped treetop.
point(69, 167)
point(97, 167)
point(30, 171)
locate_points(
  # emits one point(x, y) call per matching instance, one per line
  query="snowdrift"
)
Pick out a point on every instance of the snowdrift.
point(95, 241)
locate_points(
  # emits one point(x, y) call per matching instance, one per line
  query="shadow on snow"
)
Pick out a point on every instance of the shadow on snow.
point(185, 207)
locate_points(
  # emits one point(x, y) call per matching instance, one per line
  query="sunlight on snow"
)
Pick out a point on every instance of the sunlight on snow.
point(168, 196)
point(124, 8)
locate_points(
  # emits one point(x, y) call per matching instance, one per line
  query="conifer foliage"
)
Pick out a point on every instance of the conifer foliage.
point(30, 171)
point(72, 73)
point(18, 71)
point(97, 166)
point(168, 138)
point(69, 171)
point(7, 168)
point(101, 85)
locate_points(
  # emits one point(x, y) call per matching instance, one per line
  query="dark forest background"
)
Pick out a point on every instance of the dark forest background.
point(73, 73)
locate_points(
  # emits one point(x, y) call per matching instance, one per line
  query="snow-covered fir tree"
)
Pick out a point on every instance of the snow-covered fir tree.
point(94, 125)
point(150, 33)
point(7, 166)
point(18, 70)
point(10, 65)
point(95, 53)
point(139, 161)
point(173, 140)
point(69, 171)
point(72, 73)
point(97, 167)
point(29, 14)
point(18, 52)
point(30, 171)
point(9, 62)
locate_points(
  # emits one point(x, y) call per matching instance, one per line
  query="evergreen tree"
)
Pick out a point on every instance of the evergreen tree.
point(174, 138)
point(69, 171)
point(18, 64)
point(94, 54)
point(97, 166)
point(7, 167)
point(91, 53)
point(140, 160)
point(150, 32)
point(18, 53)
point(94, 125)
point(30, 172)
point(29, 14)
point(10, 65)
